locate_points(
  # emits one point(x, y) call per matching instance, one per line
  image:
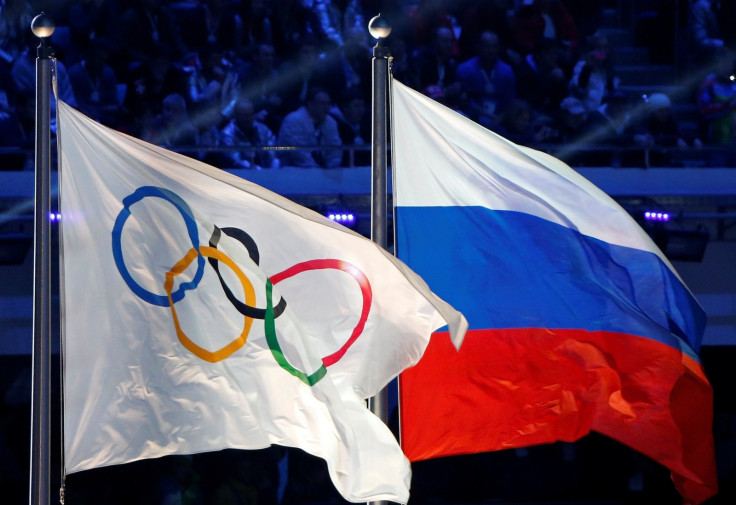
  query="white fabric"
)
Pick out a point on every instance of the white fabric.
point(506, 176)
point(132, 390)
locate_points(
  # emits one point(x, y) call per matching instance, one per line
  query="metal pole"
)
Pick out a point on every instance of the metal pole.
point(379, 190)
point(378, 27)
point(39, 491)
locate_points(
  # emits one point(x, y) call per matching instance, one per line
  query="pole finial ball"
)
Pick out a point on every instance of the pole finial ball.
point(43, 26)
point(379, 27)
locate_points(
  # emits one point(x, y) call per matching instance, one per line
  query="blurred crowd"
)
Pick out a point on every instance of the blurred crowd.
point(223, 80)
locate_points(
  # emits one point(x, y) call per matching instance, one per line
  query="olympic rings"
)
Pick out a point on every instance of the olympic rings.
point(250, 312)
point(250, 296)
point(117, 249)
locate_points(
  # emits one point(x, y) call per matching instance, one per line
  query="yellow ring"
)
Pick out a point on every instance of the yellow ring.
point(250, 296)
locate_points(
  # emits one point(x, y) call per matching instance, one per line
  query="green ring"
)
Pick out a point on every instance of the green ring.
point(273, 344)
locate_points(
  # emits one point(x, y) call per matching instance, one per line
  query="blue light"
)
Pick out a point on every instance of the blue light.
point(656, 216)
point(54, 216)
point(343, 217)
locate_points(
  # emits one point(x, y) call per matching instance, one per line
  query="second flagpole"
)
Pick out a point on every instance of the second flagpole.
point(39, 485)
point(379, 29)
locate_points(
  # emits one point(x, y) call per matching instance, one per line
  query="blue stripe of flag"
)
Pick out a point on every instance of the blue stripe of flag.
point(509, 269)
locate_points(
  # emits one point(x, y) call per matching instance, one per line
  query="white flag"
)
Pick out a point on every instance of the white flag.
point(203, 312)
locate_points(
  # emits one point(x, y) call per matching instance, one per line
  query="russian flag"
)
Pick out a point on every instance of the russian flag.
point(577, 320)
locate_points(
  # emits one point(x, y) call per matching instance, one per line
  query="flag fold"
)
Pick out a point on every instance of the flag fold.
point(203, 312)
point(577, 321)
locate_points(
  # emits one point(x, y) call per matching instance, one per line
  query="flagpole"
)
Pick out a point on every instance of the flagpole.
point(379, 29)
point(39, 481)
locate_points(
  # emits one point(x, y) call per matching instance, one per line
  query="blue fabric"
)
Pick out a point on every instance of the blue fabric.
point(560, 278)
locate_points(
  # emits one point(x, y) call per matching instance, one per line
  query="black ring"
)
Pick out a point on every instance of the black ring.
point(250, 245)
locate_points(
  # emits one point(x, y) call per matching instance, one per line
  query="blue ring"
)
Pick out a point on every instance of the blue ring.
point(117, 250)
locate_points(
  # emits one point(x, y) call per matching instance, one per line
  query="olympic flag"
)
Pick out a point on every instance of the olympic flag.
point(202, 312)
point(577, 321)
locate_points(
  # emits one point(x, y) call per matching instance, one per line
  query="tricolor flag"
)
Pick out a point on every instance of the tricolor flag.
point(202, 312)
point(577, 321)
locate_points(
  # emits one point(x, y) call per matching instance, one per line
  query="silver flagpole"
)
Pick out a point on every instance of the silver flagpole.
point(379, 29)
point(39, 492)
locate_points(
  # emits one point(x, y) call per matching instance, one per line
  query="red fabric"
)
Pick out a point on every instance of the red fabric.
point(521, 387)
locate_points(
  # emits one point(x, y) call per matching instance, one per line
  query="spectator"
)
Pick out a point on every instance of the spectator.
point(717, 100)
point(23, 73)
point(147, 23)
point(612, 129)
point(260, 82)
point(14, 29)
point(489, 82)
point(425, 17)
point(311, 126)
point(593, 77)
point(172, 128)
point(485, 15)
point(704, 30)
point(660, 123)
point(517, 124)
point(261, 25)
point(335, 20)
point(540, 79)
point(539, 19)
point(295, 20)
point(436, 66)
point(663, 130)
point(95, 84)
point(244, 130)
point(402, 67)
point(212, 85)
point(308, 70)
point(90, 19)
point(355, 56)
point(209, 22)
point(572, 121)
point(149, 82)
point(354, 127)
